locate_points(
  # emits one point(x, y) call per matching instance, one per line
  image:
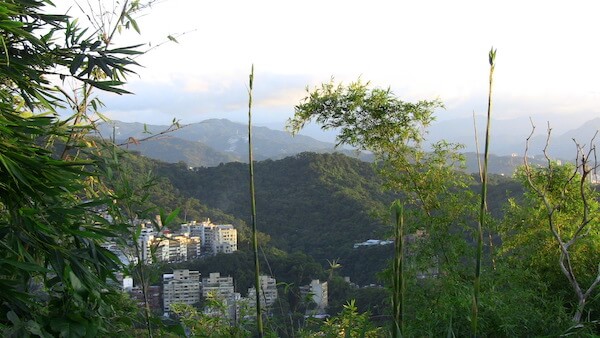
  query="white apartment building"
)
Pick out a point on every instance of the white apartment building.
point(214, 238)
point(147, 236)
point(194, 228)
point(222, 238)
point(181, 286)
point(317, 291)
point(176, 248)
point(221, 288)
point(218, 286)
point(268, 291)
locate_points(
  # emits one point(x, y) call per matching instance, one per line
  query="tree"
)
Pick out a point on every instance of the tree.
point(560, 223)
point(394, 131)
point(54, 270)
point(439, 207)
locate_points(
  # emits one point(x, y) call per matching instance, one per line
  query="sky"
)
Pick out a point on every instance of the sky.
point(547, 63)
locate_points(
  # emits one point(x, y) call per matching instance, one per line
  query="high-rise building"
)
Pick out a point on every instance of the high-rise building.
point(177, 248)
point(221, 289)
point(147, 236)
point(218, 286)
point(220, 238)
point(181, 286)
point(317, 291)
point(268, 291)
point(214, 238)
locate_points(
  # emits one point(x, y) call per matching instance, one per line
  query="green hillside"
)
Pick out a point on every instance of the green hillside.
point(173, 150)
point(320, 204)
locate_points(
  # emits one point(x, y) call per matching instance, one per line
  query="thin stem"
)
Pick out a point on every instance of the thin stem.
point(483, 205)
point(259, 323)
point(490, 239)
point(398, 280)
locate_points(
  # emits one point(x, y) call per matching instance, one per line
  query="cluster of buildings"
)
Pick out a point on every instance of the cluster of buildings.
point(193, 240)
point(189, 287)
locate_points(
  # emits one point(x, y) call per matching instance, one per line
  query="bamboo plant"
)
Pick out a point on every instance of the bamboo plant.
point(483, 204)
point(398, 281)
point(259, 324)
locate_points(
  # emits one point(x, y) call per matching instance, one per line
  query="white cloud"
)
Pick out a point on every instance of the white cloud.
point(546, 61)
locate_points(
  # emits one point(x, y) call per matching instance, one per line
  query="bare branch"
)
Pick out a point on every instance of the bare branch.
point(172, 128)
point(553, 205)
point(548, 144)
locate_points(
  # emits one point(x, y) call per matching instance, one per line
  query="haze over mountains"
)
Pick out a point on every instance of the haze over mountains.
point(216, 141)
point(213, 141)
point(509, 136)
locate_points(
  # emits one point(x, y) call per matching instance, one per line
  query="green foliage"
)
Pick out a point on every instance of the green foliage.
point(440, 206)
point(349, 323)
point(375, 120)
point(215, 325)
point(528, 240)
point(519, 302)
point(370, 119)
point(330, 194)
point(33, 50)
point(54, 271)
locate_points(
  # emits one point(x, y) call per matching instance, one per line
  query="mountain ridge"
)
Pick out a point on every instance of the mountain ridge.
point(214, 141)
point(220, 139)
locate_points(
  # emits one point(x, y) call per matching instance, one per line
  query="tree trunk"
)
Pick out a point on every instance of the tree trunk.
point(579, 310)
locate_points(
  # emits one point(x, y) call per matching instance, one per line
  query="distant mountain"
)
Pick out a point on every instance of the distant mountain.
point(173, 150)
point(217, 140)
point(508, 137)
point(501, 165)
point(563, 146)
point(295, 195)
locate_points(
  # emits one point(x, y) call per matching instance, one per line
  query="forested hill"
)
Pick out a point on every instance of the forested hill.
point(215, 141)
point(211, 142)
point(320, 204)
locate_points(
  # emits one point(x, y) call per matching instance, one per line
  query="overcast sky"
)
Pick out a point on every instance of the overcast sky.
point(547, 61)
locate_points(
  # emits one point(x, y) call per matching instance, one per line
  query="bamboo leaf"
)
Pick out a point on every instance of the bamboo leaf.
point(24, 265)
point(109, 86)
point(104, 67)
point(171, 217)
point(133, 23)
point(12, 316)
point(77, 61)
point(129, 50)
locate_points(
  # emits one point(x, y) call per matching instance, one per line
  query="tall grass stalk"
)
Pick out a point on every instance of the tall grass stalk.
point(259, 323)
point(482, 208)
point(398, 281)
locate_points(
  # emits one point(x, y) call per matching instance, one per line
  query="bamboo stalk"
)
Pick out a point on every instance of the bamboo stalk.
point(482, 208)
point(259, 323)
point(398, 281)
